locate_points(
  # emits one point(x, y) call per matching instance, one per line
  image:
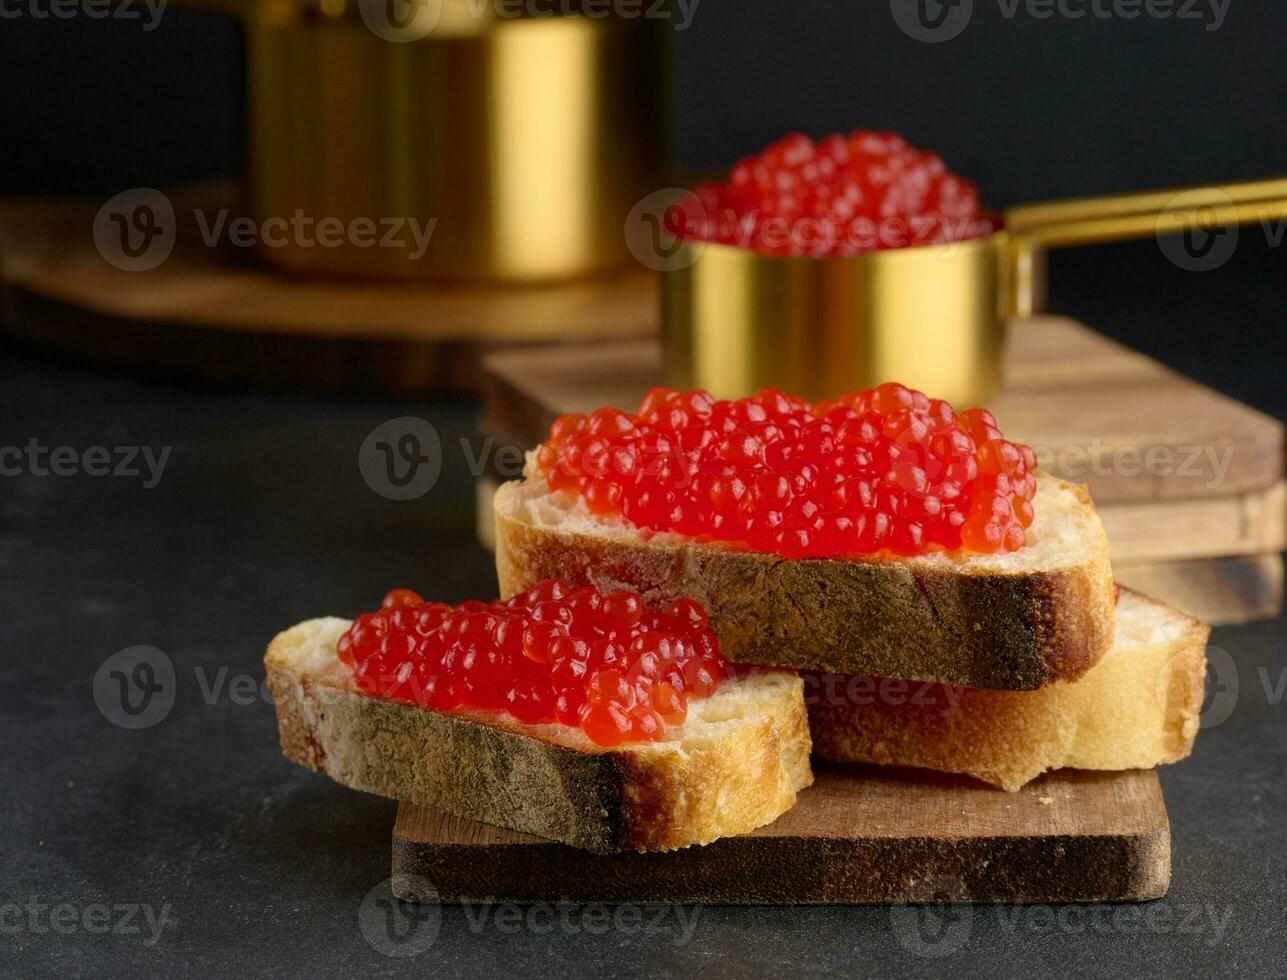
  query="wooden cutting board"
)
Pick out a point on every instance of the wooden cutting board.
point(213, 312)
point(860, 835)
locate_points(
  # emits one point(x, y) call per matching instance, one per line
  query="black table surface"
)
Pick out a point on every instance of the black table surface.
point(192, 847)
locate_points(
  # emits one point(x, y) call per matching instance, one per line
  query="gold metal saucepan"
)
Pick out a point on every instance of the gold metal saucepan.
point(525, 139)
point(930, 316)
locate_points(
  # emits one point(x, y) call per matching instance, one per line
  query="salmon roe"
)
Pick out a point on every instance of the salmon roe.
point(844, 195)
point(604, 663)
point(884, 470)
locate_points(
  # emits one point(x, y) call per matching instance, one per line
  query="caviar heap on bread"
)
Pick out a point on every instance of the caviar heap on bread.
point(882, 470)
point(603, 663)
point(844, 195)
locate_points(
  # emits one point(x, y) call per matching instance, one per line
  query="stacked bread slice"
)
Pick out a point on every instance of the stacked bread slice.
point(736, 763)
point(1017, 663)
point(996, 666)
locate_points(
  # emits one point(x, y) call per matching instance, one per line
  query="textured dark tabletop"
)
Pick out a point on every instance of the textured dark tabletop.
point(191, 847)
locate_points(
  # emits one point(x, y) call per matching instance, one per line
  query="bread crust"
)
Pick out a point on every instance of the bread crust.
point(1138, 708)
point(654, 797)
point(906, 619)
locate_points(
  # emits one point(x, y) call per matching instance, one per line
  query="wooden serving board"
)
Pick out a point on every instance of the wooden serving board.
point(215, 313)
point(1221, 591)
point(859, 835)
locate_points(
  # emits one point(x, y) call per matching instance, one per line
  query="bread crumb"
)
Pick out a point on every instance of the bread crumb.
point(1045, 800)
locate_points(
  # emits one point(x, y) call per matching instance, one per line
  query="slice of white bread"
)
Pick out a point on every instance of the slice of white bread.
point(736, 763)
point(1137, 708)
point(1011, 622)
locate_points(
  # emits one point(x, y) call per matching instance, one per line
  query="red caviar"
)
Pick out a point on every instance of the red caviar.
point(844, 195)
point(604, 663)
point(887, 469)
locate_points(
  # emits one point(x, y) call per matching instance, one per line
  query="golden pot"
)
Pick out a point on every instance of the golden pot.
point(932, 317)
point(525, 140)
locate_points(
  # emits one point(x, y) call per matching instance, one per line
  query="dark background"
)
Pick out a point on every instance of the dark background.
point(262, 518)
point(1029, 109)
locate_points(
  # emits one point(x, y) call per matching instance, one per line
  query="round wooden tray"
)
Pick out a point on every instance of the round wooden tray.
point(214, 313)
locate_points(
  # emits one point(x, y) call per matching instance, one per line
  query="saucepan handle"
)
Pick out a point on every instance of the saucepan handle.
point(1198, 213)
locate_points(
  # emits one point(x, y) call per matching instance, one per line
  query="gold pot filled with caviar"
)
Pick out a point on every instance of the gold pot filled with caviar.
point(835, 266)
point(516, 137)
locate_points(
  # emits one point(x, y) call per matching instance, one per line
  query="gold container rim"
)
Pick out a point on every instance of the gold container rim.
point(907, 253)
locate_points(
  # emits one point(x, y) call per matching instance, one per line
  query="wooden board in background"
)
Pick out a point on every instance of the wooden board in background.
point(860, 835)
point(1221, 591)
point(214, 313)
point(1249, 523)
point(1093, 409)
